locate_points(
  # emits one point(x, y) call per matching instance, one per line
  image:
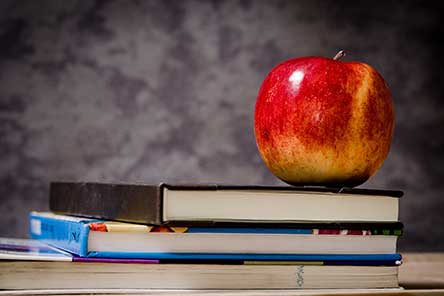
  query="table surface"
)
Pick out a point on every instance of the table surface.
point(420, 274)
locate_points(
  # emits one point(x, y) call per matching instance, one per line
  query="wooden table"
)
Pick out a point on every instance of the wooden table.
point(420, 274)
point(422, 271)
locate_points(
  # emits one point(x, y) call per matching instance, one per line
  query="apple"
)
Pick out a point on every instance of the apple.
point(324, 122)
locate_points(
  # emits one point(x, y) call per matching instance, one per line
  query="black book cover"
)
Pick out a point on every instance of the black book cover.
point(136, 203)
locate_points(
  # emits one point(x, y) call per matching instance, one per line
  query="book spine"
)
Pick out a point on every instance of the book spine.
point(71, 236)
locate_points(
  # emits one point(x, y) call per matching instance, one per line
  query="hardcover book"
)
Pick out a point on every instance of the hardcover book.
point(97, 238)
point(167, 204)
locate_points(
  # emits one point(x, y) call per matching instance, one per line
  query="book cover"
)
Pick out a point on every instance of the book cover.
point(89, 238)
point(147, 203)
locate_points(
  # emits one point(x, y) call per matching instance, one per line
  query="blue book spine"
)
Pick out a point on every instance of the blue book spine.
point(69, 234)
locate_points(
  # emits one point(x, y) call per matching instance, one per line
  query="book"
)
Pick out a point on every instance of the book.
point(34, 250)
point(19, 275)
point(99, 238)
point(26, 249)
point(167, 204)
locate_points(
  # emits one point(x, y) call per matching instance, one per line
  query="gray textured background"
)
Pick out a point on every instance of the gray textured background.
point(150, 91)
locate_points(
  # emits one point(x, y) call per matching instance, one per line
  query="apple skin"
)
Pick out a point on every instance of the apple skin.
point(324, 122)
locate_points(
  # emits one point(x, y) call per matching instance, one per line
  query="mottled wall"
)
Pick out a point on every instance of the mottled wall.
point(150, 91)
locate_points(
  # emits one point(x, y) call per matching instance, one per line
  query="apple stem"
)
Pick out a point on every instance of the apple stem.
point(339, 55)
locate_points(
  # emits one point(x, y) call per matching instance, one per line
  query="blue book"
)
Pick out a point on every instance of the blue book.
point(97, 238)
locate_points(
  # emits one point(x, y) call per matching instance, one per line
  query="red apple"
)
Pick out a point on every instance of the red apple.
point(321, 121)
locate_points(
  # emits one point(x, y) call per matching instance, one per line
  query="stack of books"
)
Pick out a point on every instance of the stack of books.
point(208, 237)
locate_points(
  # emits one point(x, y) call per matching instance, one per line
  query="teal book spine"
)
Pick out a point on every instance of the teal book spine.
point(67, 233)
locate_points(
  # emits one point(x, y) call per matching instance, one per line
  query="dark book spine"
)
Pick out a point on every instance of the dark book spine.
point(129, 203)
